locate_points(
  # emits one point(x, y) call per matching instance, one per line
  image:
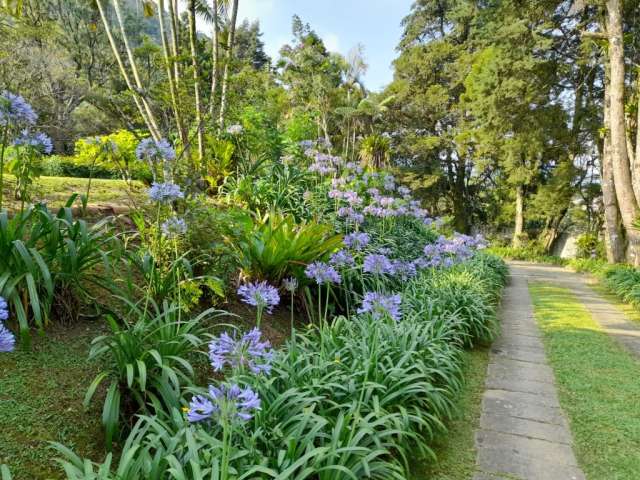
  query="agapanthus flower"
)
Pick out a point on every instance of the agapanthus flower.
point(378, 265)
point(15, 109)
point(379, 305)
point(355, 217)
point(165, 192)
point(334, 193)
point(356, 240)
point(352, 198)
point(322, 273)
point(174, 227)
point(345, 211)
point(37, 141)
point(247, 351)
point(4, 309)
point(404, 269)
point(290, 284)
point(260, 294)
point(341, 258)
point(402, 190)
point(7, 340)
point(236, 129)
point(229, 402)
point(152, 151)
point(306, 144)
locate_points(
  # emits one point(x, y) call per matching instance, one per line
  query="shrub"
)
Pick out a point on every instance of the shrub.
point(275, 246)
point(589, 246)
point(624, 281)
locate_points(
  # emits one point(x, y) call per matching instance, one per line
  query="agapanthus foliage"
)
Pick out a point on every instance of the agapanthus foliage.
point(247, 351)
point(38, 141)
point(165, 192)
point(322, 273)
point(152, 151)
point(260, 294)
point(380, 305)
point(224, 403)
point(15, 110)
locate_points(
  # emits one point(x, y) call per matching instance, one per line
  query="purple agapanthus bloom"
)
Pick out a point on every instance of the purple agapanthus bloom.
point(322, 273)
point(39, 142)
point(7, 340)
point(260, 294)
point(236, 129)
point(290, 284)
point(356, 240)
point(165, 192)
point(15, 109)
point(247, 351)
point(229, 402)
point(402, 190)
point(379, 305)
point(341, 258)
point(4, 309)
point(404, 269)
point(152, 151)
point(200, 409)
point(378, 265)
point(174, 227)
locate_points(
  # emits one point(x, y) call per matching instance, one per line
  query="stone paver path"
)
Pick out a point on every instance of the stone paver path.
point(608, 315)
point(523, 433)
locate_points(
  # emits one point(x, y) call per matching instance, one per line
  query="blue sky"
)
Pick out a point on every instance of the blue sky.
point(342, 24)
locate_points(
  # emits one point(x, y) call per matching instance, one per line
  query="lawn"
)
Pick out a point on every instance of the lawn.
point(57, 190)
point(41, 393)
point(593, 376)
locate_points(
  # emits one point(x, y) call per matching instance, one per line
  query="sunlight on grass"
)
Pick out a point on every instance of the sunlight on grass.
point(597, 383)
point(455, 451)
point(57, 190)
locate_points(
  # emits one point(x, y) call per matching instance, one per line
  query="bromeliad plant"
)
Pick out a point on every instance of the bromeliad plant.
point(276, 246)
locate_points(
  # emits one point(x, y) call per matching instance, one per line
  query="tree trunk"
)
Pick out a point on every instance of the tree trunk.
point(155, 131)
point(227, 65)
point(619, 159)
point(214, 59)
point(613, 238)
point(169, 61)
point(519, 220)
point(173, 14)
point(196, 77)
point(138, 100)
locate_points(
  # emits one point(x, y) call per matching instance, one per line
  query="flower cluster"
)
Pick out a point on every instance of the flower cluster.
point(356, 241)
point(378, 265)
point(15, 110)
point(152, 151)
point(39, 142)
point(174, 227)
point(290, 284)
point(379, 305)
point(244, 352)
point(7, 340)
point(260, 294)
point(235, 129)
point(445, 252)
point(322, 273)
point(341, 258)
point(165, 192)
point(225, 402)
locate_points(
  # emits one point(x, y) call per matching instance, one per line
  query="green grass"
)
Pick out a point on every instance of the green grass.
point(56, 190)
point(455, 451)
point(597, 382)
point(41, 393)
